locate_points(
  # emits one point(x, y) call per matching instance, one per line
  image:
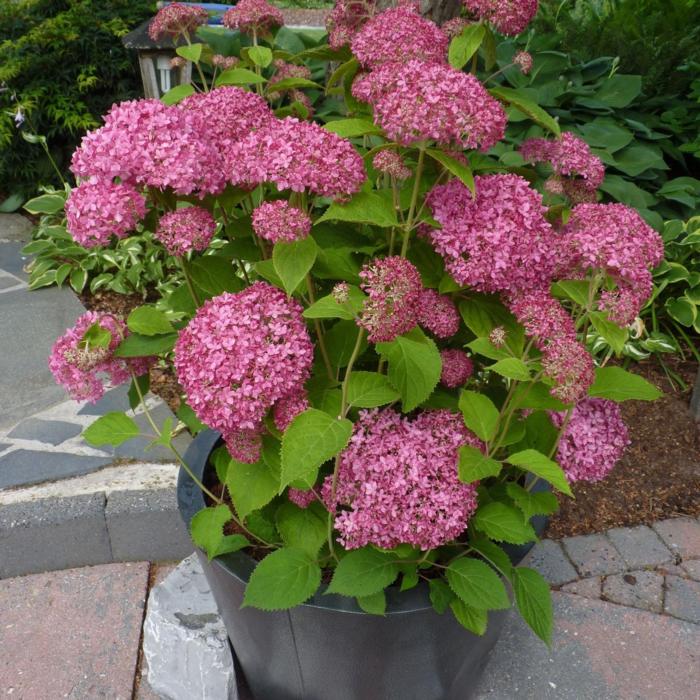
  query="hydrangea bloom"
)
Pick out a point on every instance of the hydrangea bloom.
point(285, 71)
point(288, 408)
point(279, 221)
point(615, 239)
point(345, 19)
point(184, 230)
point(297, 156)
point(393, 286)
point(398, 35)
point(438, 313)
point(80, 368)
point(398, 480)
point(175, 20)
point(253, 17)
point(523, 60)
point(224, 62)
point(96, 211)
point(229, 113)
point(498, 240)
point(300, 498)
point(245, 445)
point(570, 157)
point(509, 17)
point(417, 101)
point(391, 163)
point(240, 355)
point(454, 27)
point(593, 441)
point(456, 368)
point(146, 142)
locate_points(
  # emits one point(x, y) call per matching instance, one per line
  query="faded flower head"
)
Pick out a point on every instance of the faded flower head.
point(438, 313)
point(300, 498)
point(253, 17)
point(185, 230)
point(498, 337)
point(224, 62)
point(454, 27)
point(457, 367)
point(391, 163)
point(509, 17)
point(177, 19)
point(288, 408)
point(523, 60)
point(341, 292)
point(279, 221)
point(345, 19)
point(286, 71)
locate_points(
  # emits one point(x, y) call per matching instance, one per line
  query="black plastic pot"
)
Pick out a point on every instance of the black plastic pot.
point(328, 649)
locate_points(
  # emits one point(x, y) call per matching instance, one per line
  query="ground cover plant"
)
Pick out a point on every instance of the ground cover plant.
point(381, 317)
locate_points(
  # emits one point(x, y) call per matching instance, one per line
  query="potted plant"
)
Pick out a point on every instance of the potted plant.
point(380, 324)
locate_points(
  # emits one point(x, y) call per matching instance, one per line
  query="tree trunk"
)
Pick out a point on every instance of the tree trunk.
point(438, 10)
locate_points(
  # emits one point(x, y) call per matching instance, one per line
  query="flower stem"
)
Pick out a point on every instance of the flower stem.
point(188, 281)
point(414, 201)
point(319, 331)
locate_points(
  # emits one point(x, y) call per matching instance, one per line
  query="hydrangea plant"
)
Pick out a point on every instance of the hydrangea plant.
point(382, 321)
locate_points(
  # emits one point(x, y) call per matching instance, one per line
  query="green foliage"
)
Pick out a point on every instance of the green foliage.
point(113, 428)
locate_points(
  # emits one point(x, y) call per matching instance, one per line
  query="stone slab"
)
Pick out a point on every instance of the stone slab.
point(548, 558)
point(681, 535)
point(682, 598)
point(636, 589)
point(586, 587)
point(12, 262)
point(146, 526)
point(600, 651)
point(52, 432)
point(15, 227)
point(72, 634)
point(54, 533)
point(593, 555)
point(25, 467)
point(692, 568)
point(640, 546)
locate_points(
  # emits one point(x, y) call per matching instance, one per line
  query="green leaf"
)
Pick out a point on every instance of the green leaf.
point(328, 307)
point(543, 467)
point(615, 336)
point(78, 278)
point(604, 132)
point(475, 465)
point(617, 384)
point(239, 76)
point(95, 337)
point(482, 314)
point(207, 531)
point(414, 366)
point(302, 528)
point(441, 595)
point(534, 601)
point(137, 345)
point(370, 389)
point(527, 107)
point(290, 84)
point(619, 90)
point(191, 52)
point(350, 128)
point(483, 346)
point(284, 579)
point(473, 619)
point(477, 584)
point(460, 170)
point(502, 523)
point(373, 604)
point(251, 486)
point(113, 428)
point(363, 208)
point(214, 275)
point(189, 418)
point(293, 261)
point(45, 204)
point(536, 395)
point(260, 56)
point(576, 290)
point(363, 572)
point(147, 320)
point(492, 553)
point(540, 433)
point(541, 503)
point(512, 368)
point(466, 44)
point(682, 310)
point(340, 341)
point(143, 382)
point(480, 414)
point(311, 438)
point(177, 94)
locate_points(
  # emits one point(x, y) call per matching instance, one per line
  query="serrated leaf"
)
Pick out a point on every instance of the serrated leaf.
point(251, 486)
point(617, 384)
point(541, 503)
point(214, 275)
point(363, 208)
point(480, 414)
point(290, 84)
point(239, 76)
point(466, 44)
point(260, 56)
point(477, 584)
point(460, 170)
point(615, 336)
point(177, 94)
point(207, 531)
point(534, 601)
point(373, 604)
point(113, 428)
point(472, 619)
point(475, 465)
point(492, 553)
point(576, 290)
point(527, 107)
point(350, 128)
point(369, 390)
point(328, 307)
point(302, 528)
point(147, 320)
point(136, 345)
point(441, 595)
point(502, 523)
point(363, 572)
point(293, 261)
point(284, 579)
point(143, 382)
point(543, 467)
point(191, 52)
point(536, 395)
point(511, 368)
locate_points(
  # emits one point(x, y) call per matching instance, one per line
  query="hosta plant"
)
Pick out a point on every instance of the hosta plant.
point(390, 339)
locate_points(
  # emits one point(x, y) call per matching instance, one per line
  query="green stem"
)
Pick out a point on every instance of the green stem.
point(414, 201)
point(319, 331)
point(346, 379)
point(188, 281)
point(196, 63)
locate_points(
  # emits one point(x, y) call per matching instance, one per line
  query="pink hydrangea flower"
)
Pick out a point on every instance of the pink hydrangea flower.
point(176, 19)
point(523, 60)
point(417, 101)
point(288, 408)
point(615, 239)
point(454, 27)
point(279, 221)
point(398, 35)
point(185, 230)
point(82, 369)
point(223, 62)
point(300, 498)
point(509, 17)
point(345, 19)
point(393, 286)
point(456, 368)
point(240, 355)
point(391, 163)
point(593, 441)
point(438, 313)
point(497, 241)
point(253, 17)
point(286, 71)
point(297, 156)
point(398, 483)
point(245, 445)
point(96, 211)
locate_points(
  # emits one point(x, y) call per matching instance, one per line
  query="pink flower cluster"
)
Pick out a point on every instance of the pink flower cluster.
point(564, 359)
point(615, 239)
point(399, 35)
point(438, 313)
point(288, 408)
point(417, 101)
point(96, 211)
point(253, 17)
point(509, 17)
point(297, 156)
point(455, 26)
point(523, 60)
point(145, 142)
point(300, 498)
point(456, 368)
point(345, 19)
point(238, 357)
point(398, 480)
point(391, 163)
point(286, 71)
point(498, 240)
point(176, 19)
point(279, 221)
point(224, 62)
point(184, 230)
point(79, 367)
point(393, 286)
point(593, 441)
